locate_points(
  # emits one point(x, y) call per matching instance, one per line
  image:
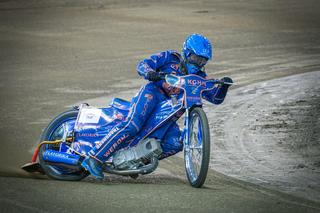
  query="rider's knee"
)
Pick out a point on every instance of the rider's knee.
point(170, 148)
point(173, 145)
point(129, 127)
point(178, 146)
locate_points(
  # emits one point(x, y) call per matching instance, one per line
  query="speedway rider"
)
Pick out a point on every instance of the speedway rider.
point(196, 51)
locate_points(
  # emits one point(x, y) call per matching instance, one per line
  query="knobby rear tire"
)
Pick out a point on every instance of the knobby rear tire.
point(51, 171)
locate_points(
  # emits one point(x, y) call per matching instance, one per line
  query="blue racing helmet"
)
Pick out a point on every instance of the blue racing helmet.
point(196, 51)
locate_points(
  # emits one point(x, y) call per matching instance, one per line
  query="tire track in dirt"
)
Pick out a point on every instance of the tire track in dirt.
point(259, 134)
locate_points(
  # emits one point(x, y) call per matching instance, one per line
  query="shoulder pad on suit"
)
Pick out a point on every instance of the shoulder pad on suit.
point(175, 53)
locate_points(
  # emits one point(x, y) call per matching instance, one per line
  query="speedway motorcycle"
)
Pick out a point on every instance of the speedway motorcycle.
point(71, 135)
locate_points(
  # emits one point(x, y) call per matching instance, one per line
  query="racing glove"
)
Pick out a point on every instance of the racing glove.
point(153, 76)
point(224, 87)
point(227, 80)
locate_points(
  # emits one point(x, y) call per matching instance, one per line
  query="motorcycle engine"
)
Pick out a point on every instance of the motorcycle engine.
point(136, 156)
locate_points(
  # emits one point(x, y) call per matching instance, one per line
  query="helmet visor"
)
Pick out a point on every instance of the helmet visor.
point(197, 60)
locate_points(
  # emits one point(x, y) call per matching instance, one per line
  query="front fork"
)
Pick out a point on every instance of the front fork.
point(186, 131)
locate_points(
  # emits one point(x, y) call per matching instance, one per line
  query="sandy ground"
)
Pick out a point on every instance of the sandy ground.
point(268, 133)
point(56, 53)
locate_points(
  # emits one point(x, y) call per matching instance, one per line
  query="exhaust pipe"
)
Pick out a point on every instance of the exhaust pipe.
point(143, 170)
point(72, 161)
point(55, 157)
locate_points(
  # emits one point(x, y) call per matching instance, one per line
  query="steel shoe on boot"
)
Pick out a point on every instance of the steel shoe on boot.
point(94, 167)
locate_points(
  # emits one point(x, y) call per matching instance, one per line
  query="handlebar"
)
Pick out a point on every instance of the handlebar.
point(215, 81)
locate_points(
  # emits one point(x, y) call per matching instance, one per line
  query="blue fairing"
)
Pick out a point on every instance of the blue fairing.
point(103, 122)
point(88, 135)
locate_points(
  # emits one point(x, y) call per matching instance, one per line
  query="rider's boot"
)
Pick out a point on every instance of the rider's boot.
point(93, 166)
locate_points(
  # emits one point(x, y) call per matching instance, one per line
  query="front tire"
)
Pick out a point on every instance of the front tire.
point(197, 152)
point(54, 132)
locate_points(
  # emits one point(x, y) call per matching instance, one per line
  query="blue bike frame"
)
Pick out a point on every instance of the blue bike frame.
point(74, 133)
point(193, 86)
point(87, 134)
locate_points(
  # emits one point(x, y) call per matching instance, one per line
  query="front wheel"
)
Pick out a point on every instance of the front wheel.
point(197, 149)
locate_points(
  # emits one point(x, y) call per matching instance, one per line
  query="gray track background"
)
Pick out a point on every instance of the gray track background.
point(55, 53)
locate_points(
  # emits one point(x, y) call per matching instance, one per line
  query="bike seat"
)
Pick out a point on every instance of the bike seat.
point(121, 104)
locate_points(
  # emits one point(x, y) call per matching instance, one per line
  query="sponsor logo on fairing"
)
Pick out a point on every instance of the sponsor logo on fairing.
point(85, 143)
point(56, 154)
point(112, 131)
point(98, 144)
point(89, 135)
point(194, 98)
point(196, 82)
point(194, 91)
point(90, 115)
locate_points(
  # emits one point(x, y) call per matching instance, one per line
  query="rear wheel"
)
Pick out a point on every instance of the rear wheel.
point(197, 152)
point(55, 131)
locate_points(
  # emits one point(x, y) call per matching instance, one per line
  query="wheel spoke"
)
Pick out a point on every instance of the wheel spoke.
point(197, 151)
point(58, 134)
point(195, 147)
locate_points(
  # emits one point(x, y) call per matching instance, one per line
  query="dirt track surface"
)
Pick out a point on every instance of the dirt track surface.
point(267, 133)
point(54, 54)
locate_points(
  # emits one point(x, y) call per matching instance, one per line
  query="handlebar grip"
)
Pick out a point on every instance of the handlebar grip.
point(162, 75)
point(217, 81)
point(226, 83)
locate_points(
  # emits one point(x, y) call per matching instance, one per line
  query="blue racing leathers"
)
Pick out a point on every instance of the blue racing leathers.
point(145, 101)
